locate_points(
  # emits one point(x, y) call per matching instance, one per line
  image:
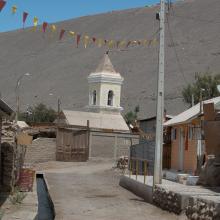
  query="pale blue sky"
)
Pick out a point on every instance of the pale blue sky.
point(54, 10)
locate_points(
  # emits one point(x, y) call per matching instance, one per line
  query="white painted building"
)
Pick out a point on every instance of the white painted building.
point(105, 88)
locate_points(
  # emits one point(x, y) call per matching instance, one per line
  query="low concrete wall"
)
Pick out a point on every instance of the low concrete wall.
point(142, 190)
point(41, 150)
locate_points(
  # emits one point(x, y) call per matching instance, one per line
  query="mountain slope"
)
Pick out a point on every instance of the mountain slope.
point(62, 69)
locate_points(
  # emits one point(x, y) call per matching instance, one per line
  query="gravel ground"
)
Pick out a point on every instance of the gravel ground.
point(82, 191)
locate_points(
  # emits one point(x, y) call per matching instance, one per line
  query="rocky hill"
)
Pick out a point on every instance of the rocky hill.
point(61, 69)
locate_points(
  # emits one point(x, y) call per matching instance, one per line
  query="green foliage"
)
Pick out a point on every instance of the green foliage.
point(131, 116)
point(17, 197)
point(205, 83)
point(38, 114)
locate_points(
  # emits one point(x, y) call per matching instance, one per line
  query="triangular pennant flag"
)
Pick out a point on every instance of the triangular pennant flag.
point(111, 44)
point(122, 43)
point(78, 36)
point(94, 39)
point(2, 4)
point(100, 42)
point(72, 33)
point(145, 42)
point(61, 34)
point(128, 44)
point(53, 28)
point(35, 21)
point(14, 9)
point(86, 41)
point(25, 14)
point(154, 42)
point(45, 24)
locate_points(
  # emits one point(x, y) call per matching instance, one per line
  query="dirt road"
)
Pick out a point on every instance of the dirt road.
point(90, 191)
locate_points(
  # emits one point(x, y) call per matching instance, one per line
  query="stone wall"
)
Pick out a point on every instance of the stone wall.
point(203, 209)
point(41, 150)
point(12, 161)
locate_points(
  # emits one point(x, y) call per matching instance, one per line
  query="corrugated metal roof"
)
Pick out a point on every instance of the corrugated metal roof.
point(5, 109)
point(96, 120)
point(190, 114)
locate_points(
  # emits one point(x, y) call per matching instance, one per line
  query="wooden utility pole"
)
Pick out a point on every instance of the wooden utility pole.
point(160, 101)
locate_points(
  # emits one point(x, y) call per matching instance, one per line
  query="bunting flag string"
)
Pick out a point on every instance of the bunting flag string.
point(84, 38)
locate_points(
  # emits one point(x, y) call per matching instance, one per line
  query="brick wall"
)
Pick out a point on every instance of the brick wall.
point(41, 150)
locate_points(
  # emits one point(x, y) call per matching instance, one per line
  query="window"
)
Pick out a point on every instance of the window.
point(94, 97)
point(110, 98)
point(173, 134)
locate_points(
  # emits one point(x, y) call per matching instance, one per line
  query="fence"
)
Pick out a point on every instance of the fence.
point(138, 166)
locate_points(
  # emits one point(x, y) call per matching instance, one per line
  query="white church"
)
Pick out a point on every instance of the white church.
point(104, 110)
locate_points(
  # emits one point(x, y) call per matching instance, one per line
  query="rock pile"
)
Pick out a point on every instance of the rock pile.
point(201, 209)
point(167, 200)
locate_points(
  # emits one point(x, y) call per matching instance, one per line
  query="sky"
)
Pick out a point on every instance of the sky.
point(54, 10)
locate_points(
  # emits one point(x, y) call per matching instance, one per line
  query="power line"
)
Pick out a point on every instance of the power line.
point(175, 50)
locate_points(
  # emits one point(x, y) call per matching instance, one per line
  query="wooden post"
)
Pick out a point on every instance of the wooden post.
point(115, 149)
point(88, 140)
point(145, 169)
point(136, 168)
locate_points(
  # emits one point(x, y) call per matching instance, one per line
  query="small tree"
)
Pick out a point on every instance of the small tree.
point(131, 116)
point(38, 114)
point(205, 83)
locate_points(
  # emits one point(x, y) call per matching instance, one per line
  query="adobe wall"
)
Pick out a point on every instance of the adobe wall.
point(41, 150)
point(104, 147)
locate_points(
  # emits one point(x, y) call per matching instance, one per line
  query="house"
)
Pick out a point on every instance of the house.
point(100, 128)
point(187, 138)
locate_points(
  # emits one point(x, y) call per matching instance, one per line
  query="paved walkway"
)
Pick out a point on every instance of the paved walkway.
point(85, 191)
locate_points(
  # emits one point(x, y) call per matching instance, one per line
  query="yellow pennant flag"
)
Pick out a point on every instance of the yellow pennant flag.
point(111, 44)
point(72, 33)
point(100, 42)
point(86, 41)
point(14, 9)
point(122, 43)
point(53, 28)
point(35, 21)
point(145, 42)
point(154, 42)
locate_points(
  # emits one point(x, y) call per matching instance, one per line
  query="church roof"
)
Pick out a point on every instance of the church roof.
point(105, 65)
point(98, 121)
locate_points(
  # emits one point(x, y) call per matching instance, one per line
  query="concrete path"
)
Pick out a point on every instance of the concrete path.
point(85, 191)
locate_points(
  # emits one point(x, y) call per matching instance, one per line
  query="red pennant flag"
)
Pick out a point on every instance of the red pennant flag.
point(94, 39)
point(78, 36)
point(61, 34)
point(45, 24)
point(129, 42)
point(25, 14)
point(2, 4)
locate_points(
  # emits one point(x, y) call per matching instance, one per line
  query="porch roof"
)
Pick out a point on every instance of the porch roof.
point(190, 113)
